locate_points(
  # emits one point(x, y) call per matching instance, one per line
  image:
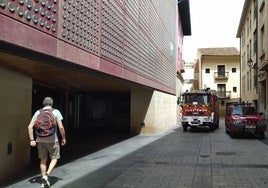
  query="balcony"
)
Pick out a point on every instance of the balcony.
point(221, 75)
point(224, 94)
point(263, 63)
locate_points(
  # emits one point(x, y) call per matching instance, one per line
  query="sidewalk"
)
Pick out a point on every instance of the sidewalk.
point(72, 171)
point(173, 159)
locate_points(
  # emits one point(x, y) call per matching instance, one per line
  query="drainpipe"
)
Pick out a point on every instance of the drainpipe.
point(257, 57)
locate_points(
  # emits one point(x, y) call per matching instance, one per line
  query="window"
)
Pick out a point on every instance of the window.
point(207, 70)
point(221, 71)
point(221, 90)
point(237, 111)
point(243, 61)
point(196, 99)
point(255, 10)
point(250, 24)
point(234, 89)
point(233, 69)
point(248, 53)
point(248, 81)
point(255, 42)
point(262, 5)
point(249, 111)
point(262, 39)
point(247, 26)
point(243, 84)
point(255, 81)
point(250, 49)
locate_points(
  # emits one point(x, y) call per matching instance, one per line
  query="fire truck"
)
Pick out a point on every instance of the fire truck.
point(200, 108)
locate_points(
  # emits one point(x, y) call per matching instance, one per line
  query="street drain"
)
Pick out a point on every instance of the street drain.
point(204, 156)
point(225, 153)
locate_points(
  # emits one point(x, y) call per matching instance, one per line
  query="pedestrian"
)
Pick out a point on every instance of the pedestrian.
point(47, 144)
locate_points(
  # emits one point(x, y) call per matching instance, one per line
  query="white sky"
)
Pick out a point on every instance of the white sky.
point(214, 23)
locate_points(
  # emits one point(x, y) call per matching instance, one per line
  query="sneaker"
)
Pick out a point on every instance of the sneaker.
point(45, 182)
point(42, 185)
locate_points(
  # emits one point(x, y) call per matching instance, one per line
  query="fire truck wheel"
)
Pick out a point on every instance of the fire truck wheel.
point(184, 128)
point(217, 125)
point(232, 134)
point(262, 136)
point(212, 127)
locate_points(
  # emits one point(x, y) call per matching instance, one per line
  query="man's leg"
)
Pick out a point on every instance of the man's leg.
point(43, 167)
point(54, 154)
point(51, 166)
point(43, 154)
point(44, 179)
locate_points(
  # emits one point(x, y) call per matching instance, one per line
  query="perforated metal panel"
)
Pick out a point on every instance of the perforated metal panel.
point(80, 23)
point(112, 31)
point(41, 14)
point(137, 35)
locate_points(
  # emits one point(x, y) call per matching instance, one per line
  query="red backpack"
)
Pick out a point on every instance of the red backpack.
point(45, 124)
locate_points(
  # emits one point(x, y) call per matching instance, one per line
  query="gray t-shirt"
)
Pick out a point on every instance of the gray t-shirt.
point(54, 137)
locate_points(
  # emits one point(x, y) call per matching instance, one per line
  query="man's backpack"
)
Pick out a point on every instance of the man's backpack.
point(45, 124)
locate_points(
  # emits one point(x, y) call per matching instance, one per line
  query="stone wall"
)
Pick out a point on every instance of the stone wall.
point(153, 112)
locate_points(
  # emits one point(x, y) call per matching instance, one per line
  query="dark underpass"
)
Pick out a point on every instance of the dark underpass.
point(94, 121)
point(79, 144)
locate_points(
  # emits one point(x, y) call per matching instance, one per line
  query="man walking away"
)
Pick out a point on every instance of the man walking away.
point(46, 122)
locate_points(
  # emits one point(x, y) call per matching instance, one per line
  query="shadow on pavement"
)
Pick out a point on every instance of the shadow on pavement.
point(79, 144)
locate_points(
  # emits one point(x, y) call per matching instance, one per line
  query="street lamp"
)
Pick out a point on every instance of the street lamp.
point(250, 63)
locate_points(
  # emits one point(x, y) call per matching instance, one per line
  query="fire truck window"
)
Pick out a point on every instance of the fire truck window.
point(249, 111)
point(228, 111)
point(199, 99)
point(237, 111)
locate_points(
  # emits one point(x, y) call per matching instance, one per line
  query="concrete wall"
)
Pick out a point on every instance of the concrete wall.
point(158, 111)
point(15, 113)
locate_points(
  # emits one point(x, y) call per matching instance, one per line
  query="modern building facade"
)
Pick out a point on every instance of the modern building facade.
point(253, 34)
point(219, 70)
point(113, 64)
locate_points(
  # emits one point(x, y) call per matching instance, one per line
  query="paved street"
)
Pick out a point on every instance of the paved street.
point(172, 159)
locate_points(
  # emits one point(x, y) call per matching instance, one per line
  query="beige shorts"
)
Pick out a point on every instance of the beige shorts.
point(48, 149)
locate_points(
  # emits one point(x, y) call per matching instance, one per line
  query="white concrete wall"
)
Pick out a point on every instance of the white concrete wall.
point(157, 110)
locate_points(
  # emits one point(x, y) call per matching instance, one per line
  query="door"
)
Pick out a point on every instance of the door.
point(74, 112)
point(221, 90)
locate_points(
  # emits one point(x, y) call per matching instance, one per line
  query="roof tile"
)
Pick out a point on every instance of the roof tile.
point(226, 51)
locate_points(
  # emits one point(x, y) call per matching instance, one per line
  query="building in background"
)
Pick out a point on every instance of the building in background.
point(219, 69)
point(253, 34)
point(188, 76)
point(109, 64)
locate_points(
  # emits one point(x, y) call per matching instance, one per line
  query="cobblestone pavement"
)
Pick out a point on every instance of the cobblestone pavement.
point(198, 158)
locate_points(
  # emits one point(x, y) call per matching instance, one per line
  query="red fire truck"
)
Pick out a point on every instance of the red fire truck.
point(200, 108)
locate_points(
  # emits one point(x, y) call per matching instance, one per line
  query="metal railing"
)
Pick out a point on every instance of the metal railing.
point(221, 75)
point(224, 94)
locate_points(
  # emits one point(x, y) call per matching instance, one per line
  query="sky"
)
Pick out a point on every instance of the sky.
point(214, 23)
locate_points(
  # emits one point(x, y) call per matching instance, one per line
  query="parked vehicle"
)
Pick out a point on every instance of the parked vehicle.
point(242, 118)
point(200, 108)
